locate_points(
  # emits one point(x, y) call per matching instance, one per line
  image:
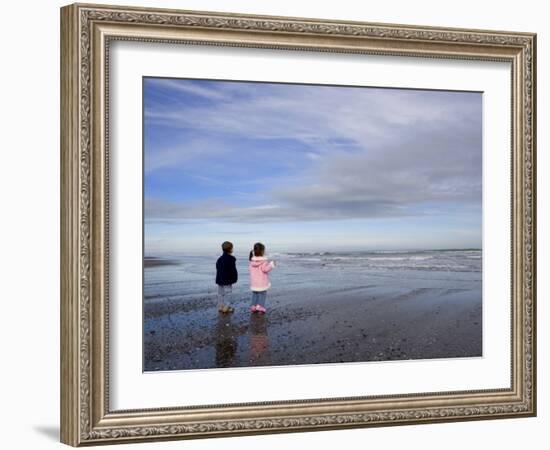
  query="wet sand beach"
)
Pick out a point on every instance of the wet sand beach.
point(394, 315)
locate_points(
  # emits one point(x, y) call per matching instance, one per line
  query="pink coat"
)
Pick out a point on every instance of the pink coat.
point(259, 267)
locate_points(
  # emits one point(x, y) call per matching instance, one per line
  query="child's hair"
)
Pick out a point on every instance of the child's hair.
point(227, 247)
point(258, 250)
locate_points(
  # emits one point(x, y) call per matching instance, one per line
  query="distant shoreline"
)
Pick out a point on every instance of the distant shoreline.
point(154, 261)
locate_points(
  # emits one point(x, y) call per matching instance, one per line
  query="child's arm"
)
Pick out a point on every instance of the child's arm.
point(234, 268)
point(267, 266)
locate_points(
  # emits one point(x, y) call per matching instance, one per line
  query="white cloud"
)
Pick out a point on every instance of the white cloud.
point(372, 152)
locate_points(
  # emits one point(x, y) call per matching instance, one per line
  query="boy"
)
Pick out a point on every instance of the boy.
point(226, 276)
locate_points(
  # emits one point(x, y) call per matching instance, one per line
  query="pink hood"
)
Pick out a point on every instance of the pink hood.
point(259, 267)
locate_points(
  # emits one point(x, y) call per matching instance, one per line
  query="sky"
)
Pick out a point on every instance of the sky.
point(309, 167)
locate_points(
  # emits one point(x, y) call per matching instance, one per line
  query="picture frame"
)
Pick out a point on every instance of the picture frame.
point(87, 32)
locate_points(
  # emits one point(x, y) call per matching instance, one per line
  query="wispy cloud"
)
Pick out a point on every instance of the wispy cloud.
point(317, 116)
point(171, 85)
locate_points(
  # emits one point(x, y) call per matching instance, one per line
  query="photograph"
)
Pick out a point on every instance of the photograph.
point(290, 222)
point(287, 224)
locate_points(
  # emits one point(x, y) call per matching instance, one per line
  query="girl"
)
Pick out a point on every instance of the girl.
point(259, 267)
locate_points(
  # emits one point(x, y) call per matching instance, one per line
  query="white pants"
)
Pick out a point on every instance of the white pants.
point(224, 294)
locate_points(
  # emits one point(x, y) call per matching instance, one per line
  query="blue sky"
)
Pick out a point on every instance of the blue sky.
point(309, 168)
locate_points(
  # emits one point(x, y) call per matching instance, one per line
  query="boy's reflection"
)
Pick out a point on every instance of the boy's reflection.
point(259, 354)
point(226, 344)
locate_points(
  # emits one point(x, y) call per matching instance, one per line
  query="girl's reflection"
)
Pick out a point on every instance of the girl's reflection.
point(259, 354)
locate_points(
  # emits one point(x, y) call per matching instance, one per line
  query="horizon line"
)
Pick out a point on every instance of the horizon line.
point(327, 252)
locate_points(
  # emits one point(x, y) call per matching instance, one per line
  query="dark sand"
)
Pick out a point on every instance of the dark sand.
point(365, 323)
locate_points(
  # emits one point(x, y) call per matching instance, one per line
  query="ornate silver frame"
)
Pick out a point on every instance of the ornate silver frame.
point(86, 31)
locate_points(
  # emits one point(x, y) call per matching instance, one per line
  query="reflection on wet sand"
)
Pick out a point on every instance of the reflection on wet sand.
point(226, 336)
point(259, 349)
point(226, 343)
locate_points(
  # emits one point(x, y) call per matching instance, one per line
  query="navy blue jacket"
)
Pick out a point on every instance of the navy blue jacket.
point(226, 270)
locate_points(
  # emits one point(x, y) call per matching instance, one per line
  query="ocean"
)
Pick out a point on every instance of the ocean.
point(191, 276)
